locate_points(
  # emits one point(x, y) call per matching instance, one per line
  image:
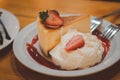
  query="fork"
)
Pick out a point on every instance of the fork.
point(110, 31)
point(96, 22)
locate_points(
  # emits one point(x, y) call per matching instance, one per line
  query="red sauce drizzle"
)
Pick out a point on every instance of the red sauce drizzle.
point(105, 43)
point(36, 55)
point(41, 60)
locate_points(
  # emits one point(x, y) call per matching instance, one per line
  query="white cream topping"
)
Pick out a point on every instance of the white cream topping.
point(90, 54)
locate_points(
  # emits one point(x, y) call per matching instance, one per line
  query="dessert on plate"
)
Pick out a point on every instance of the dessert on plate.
point(49, 35)
point(68, 41)
point(77, 50)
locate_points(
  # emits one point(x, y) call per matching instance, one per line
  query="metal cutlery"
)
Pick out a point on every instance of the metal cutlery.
point(96, 22)
point(109, 31)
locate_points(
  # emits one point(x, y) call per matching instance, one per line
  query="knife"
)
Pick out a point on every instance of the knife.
point(1, 38)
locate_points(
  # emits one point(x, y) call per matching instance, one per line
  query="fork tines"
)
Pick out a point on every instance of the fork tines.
point(109, 32)
point(93, 26)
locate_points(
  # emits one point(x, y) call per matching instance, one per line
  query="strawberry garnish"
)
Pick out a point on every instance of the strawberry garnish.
point(51, 19)
point(74, 43)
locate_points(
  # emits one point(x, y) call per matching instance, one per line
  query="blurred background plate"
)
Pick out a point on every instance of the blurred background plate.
point(12, 25)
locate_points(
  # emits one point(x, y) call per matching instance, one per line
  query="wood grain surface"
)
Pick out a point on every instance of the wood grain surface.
point(27, 10)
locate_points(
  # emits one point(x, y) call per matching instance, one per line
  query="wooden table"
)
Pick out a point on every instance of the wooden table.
point(27, 10)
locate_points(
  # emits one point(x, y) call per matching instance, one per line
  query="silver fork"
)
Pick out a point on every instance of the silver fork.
point(110, 31)
point(96, 22)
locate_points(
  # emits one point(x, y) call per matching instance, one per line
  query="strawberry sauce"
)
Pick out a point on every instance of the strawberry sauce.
point(36, 55)
point(105, 42)
point(33, 52)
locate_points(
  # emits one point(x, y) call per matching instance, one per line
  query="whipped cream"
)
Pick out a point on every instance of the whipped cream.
point(84, 57)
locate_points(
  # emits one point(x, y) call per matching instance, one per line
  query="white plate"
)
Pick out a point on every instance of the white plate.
point(27, 34)
point(12, 25)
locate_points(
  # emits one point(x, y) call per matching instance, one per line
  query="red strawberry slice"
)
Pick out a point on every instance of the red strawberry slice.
point(53, 19)
point(74, 43)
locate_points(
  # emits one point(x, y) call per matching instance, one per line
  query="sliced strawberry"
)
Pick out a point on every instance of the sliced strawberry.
point(54, 20)
point(74, 43)
point(51, 18)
